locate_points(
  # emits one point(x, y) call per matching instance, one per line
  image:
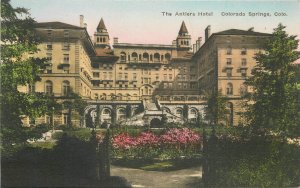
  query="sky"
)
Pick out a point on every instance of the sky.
point(143, 22)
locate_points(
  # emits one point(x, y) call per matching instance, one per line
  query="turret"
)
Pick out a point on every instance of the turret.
point(183, 38)
point(101, 36)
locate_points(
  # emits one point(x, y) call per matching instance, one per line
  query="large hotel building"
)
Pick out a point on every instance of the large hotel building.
point(142, 83)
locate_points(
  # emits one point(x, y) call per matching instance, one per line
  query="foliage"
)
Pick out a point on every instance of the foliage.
point(174, 143)
point(273, 104)
point(216, 108)
point(17, 41)
point(253, 163)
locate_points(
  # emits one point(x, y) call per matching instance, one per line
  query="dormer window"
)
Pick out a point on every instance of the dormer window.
point(243, 51)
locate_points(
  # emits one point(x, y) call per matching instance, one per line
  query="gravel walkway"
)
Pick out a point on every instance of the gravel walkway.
point(185, 178)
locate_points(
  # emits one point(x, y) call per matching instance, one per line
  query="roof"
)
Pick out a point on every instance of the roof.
point(56, 25)
point(101, 25)
point(104, 52)
point(131, 45)
point(241, 32)
point(183, 28)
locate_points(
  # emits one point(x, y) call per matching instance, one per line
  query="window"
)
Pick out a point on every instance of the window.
point(126, 76)
point(66, 46)
point(120, 76)
point(229, 72)
point(49, 57)
point(183, 76)
point(96, 74)
point(165, 77)
point(180, 85)
point(243, 90)
point(134, 56)
point(104, 75)
point(229, 89)
point(193, 85)
point(184, 85)
point(243, 72)
point(65, 119)
point(66, 33)
point(192, 77)
point(244, 61)
point(123, 57)
point(228, 61)
point(110, 75)
point(31, 88)
point(48, 87)
point(166, 85)
point(134, 76)
point(170, 77)
point(49, 46)
point(65, 88)
point(66, 58)
point(157, 76)
point(228, 51)
point(243, 51)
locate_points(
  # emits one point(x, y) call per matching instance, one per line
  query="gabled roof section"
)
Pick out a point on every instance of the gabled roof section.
point(241, 32)
point(183, 29)
point(101, 25)
point(56, 25)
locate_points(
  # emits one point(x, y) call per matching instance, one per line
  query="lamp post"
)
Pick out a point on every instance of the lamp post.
point(52, 119)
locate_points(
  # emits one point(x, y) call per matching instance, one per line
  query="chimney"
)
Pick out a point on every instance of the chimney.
point(200, 41)
point(81, 21)
point(195, 47)
point(116, 40)
point(85, 25)
point(207, 32)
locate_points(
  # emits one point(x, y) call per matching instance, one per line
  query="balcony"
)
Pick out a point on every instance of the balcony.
point(63, 65)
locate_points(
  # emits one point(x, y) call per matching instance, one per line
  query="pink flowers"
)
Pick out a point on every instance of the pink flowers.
point(174, 136)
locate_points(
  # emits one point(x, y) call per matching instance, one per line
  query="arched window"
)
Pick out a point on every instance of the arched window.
point(145, 57)
point(106, 111)
point(96, 96)
point(167, 56)
point(243, 90)
point(103, 96)
point(156, 57)
point(119, 96)
point(106, 115)
point(65, 88)
point(134, 56)
point(229, 89)
point(123, 57)
point(179, 112)
point(48, 87)
point(121, 114)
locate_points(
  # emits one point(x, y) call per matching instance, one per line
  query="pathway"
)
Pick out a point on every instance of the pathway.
point(185, 178)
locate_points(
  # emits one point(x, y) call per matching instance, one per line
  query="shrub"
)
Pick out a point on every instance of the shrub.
point(172, 144)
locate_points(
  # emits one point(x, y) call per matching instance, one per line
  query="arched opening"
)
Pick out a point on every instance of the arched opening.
point(167, 57)
point(193, 115)
point(145, 57)
point(156, 57)
point(65, 88)
point(106, 115)
point(179, 112)
point(229, 89)
point(48, 87)
point(123, 57)
point(155, 123)
point(121, 114)
point(134, 56)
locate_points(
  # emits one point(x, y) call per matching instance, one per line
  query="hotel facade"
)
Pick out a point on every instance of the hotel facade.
point(141, 84)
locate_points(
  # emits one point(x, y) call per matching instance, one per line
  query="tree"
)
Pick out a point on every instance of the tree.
point(216, 107)
point(18, 38)
point(273, 103)
point(73, 102)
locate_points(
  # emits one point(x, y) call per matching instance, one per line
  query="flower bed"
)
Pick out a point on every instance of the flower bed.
point(172, 144)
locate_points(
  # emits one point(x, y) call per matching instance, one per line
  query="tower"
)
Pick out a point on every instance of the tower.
point(101, 36)
point(183, 38)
